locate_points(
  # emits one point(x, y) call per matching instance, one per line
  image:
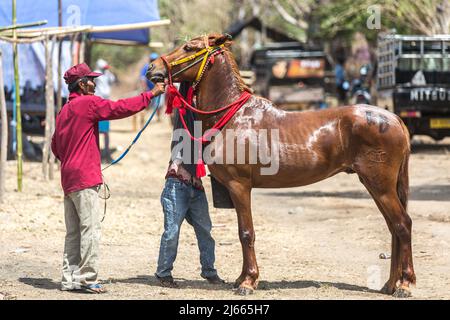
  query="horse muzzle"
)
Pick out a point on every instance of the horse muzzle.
point(155, 75)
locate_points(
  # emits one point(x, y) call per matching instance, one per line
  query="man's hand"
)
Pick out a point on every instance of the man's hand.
point(160, 87)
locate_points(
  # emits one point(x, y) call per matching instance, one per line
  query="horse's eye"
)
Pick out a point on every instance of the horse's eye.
point(187, 47)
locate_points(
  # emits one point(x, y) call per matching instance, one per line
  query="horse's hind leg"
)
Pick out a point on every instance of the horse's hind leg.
point(383, 189)
point(396, 270)
point(402, 225)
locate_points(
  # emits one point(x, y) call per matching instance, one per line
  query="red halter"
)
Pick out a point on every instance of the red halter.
point(176, 100)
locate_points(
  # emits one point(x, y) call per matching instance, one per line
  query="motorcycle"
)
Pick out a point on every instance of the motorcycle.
point(360, 92)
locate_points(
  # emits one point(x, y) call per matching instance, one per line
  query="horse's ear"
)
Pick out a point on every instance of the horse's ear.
point(223, 39)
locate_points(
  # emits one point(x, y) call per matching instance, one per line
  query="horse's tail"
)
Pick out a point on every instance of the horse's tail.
point(403, 175)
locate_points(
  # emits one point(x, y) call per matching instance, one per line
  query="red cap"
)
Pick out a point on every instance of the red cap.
point(79, 71)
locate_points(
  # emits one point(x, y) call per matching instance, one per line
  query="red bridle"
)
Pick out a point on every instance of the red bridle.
point(176, 100)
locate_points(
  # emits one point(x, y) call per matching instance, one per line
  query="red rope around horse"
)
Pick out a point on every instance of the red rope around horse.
point(176, 100)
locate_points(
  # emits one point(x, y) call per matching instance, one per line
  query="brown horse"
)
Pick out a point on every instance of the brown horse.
point(313, 145)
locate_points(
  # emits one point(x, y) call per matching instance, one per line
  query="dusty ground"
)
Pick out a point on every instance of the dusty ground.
point(317, 242)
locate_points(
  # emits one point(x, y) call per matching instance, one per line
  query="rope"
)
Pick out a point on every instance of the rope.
point(173, 90)
point(233, 108)
point(137, 136)
point(172, 94)
point(106, 190)
point(106, 196)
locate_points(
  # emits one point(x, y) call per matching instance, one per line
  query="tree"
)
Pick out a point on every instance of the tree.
point(191, 18)
point(425, 17)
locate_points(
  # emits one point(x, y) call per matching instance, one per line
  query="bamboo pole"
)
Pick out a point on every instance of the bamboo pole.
point(45, 148)
point(128, 43)
point(63, 31)
point(30, 40)
point(50, 110)
point(82, 52)
point(24, 25)
point(52, 114)
point(88, 28)
point(59, 93)
point(18, 113)
point(131, 26)
point(4, 133)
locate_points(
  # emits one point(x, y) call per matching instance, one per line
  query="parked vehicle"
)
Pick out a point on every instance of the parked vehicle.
point(291, 75)
point(33, 122)
point(413, 81)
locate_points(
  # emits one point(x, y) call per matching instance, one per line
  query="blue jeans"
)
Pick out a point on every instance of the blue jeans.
point(182, 201)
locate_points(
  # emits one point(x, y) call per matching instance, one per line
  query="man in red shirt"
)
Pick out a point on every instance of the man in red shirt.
point(76, 144)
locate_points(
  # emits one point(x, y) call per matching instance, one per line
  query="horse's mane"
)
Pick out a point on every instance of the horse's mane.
point(236, 73)
point(234, 67)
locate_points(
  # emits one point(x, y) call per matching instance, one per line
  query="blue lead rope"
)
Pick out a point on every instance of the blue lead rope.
point(139, 133)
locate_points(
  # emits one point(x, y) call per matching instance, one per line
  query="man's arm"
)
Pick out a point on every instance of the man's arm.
point(104, 109)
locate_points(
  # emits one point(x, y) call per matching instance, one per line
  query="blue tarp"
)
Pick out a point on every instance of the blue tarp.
point(74, 13)
point(86, 12)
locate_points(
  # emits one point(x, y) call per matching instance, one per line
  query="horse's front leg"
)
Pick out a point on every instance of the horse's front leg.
point(240, 193)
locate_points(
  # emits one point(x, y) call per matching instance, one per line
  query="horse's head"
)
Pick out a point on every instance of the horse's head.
point(185, 63)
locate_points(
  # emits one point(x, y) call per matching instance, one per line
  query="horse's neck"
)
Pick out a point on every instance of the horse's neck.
point(220, 85)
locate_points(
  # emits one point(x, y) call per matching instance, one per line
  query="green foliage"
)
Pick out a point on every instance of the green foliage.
point(345, 17)
point(278, 23)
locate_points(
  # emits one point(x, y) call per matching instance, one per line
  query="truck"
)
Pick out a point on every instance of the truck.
point(413, 81)
point(291, 75)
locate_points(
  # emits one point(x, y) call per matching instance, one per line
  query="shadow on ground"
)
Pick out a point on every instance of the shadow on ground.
point(430, 148)
point(183, 283)
point(263, 285)
point(303, 284)
point(419, 193)
point(41, 283)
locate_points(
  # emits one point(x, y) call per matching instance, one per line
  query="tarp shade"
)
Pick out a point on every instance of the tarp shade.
point(74, 13)
point(32, 65)
point(86, 12)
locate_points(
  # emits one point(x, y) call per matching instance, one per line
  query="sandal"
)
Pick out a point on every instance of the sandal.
point(94, 288)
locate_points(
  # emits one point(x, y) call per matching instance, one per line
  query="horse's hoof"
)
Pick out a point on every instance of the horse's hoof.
point(387, 289)
point(402, 293)
point(244, 291)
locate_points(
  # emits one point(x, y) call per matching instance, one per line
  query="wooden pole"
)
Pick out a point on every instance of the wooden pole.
point(82, 52)
point(59, 94)
point(24, 25)
point(130, 26)
point(45, 148)
point(85, 28)
point(50, 110)
point(4, 133)
point(18, 113)
point(33, 33)
point(31, 40)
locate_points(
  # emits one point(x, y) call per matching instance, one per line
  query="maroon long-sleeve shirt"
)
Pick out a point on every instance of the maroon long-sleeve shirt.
point(75, 141)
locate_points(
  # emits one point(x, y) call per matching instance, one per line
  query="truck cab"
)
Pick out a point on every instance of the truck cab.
point(413, 81)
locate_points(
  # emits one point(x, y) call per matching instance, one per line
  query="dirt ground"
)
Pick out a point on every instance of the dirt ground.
point(321, 241)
